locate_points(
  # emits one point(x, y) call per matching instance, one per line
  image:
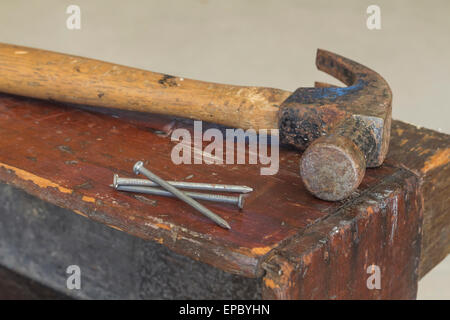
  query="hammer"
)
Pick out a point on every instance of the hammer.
point(341, 130)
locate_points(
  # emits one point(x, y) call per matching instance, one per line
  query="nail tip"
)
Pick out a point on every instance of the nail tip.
point(225, 224)
point(248, 189)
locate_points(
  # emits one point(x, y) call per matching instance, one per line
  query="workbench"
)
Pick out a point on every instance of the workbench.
point(57, 209)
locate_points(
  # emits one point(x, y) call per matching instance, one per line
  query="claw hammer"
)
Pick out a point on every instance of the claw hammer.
point(341, 130)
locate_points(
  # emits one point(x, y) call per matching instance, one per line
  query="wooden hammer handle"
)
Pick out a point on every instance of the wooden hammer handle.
point(60, 77)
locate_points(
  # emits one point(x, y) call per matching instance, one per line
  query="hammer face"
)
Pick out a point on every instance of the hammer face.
point(332, 167)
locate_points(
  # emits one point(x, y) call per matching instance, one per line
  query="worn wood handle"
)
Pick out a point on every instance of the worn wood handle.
point(60, 77)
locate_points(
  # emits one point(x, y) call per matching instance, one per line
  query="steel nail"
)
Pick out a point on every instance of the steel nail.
point(238, 201)
point(182, 185)
point(139, 168)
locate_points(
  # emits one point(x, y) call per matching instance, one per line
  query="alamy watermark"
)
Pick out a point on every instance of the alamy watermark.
point(374, 19)
point(374, 281)
point(189, 150)
point(74, 279)
point(73, 22)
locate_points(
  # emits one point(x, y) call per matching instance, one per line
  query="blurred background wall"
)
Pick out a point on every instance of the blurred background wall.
point(260, 42)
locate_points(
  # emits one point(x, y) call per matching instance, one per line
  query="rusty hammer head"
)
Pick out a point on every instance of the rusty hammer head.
point(342, 130)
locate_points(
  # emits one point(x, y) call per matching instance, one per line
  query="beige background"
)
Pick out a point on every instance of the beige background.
point(266, 43)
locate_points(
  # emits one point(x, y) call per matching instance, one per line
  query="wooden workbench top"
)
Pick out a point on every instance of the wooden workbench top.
point(68, 156)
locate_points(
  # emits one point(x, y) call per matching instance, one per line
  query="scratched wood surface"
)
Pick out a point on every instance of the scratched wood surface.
point(426, 153)
point(67, 156)
point(334, 258)
point(382, 227)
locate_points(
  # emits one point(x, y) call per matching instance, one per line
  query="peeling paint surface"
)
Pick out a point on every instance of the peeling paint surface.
point(39, 181)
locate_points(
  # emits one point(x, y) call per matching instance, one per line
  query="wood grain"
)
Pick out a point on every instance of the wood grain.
point(67, 156)
point(55, 76)
point(427, 154)
point(331, 259)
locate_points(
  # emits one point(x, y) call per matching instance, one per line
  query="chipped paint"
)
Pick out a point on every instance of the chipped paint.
point(163, 226)
point(438, 159)
point(114, 227)
point(179, 237)
point(307, 258)
point(39, 181)
point(270, 283)
point(260, 250)
point(176, 228)
point(394, 220)
point(88, 199)
point(80, 213)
